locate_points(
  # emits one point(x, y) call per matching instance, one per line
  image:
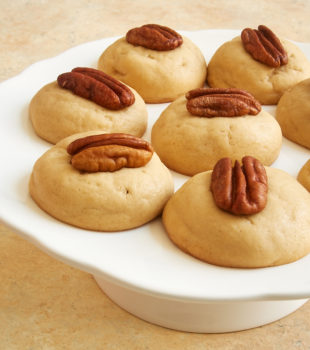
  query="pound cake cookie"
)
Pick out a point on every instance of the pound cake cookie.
point(156, 61)
point(86, 99)
point(244, 216)
point(260, 63)
point(293, 113)
point(104, 182)
point(207, 124)
point(304, 175)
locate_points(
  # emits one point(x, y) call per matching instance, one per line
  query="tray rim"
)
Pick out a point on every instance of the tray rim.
point(280, 295)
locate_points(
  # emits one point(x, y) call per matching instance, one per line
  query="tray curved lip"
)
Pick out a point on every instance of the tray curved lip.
point(17, 209)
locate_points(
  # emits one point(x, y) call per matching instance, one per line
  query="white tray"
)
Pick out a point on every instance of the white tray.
point(141, 269)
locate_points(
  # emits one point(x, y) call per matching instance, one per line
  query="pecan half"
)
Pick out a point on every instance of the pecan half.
point(109, 152)
point(154, 37)
point(264, 46)
point(240, 190)
point(98, 87)
point(218, 102)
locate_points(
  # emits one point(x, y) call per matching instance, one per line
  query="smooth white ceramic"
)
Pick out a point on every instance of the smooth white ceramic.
point(140, 269)
point(207, 316)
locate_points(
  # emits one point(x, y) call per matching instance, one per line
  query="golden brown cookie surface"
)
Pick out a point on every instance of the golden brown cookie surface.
point(105, 201)
point(158, 76)
point(277, 235)
point(56, 113)
point(304, 175)
point(293, 113)
point(233, 66)
point(191, 144)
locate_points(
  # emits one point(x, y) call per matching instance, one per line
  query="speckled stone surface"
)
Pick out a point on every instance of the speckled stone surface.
point(47, 305)
point(32, 30)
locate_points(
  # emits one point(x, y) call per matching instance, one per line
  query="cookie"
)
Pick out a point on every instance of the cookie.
point(304, 175)
point(57, 112)
point(106, 195)
point(293, 113)
point(278, 234)
point(233, 66)
point(157, 75)
point(190, 144)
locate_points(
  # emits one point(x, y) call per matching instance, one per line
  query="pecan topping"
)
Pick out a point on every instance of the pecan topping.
point(109, 152)
point(218, 102)
point(264, 46)
point(240, 190)
point(154, 37)
point(98, 87)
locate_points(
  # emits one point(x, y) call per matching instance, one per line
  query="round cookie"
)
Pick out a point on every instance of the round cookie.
point(233, 66)
point(293, 113)
point(190, 144)
point(104, 201)
point(304, 175)
point(56, 113)
point(279, 234)
point(158, 76)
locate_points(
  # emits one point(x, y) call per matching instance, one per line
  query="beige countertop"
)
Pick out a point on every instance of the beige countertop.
point(45, 304)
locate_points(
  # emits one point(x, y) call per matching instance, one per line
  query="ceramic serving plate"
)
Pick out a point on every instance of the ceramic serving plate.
point(140, 269)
